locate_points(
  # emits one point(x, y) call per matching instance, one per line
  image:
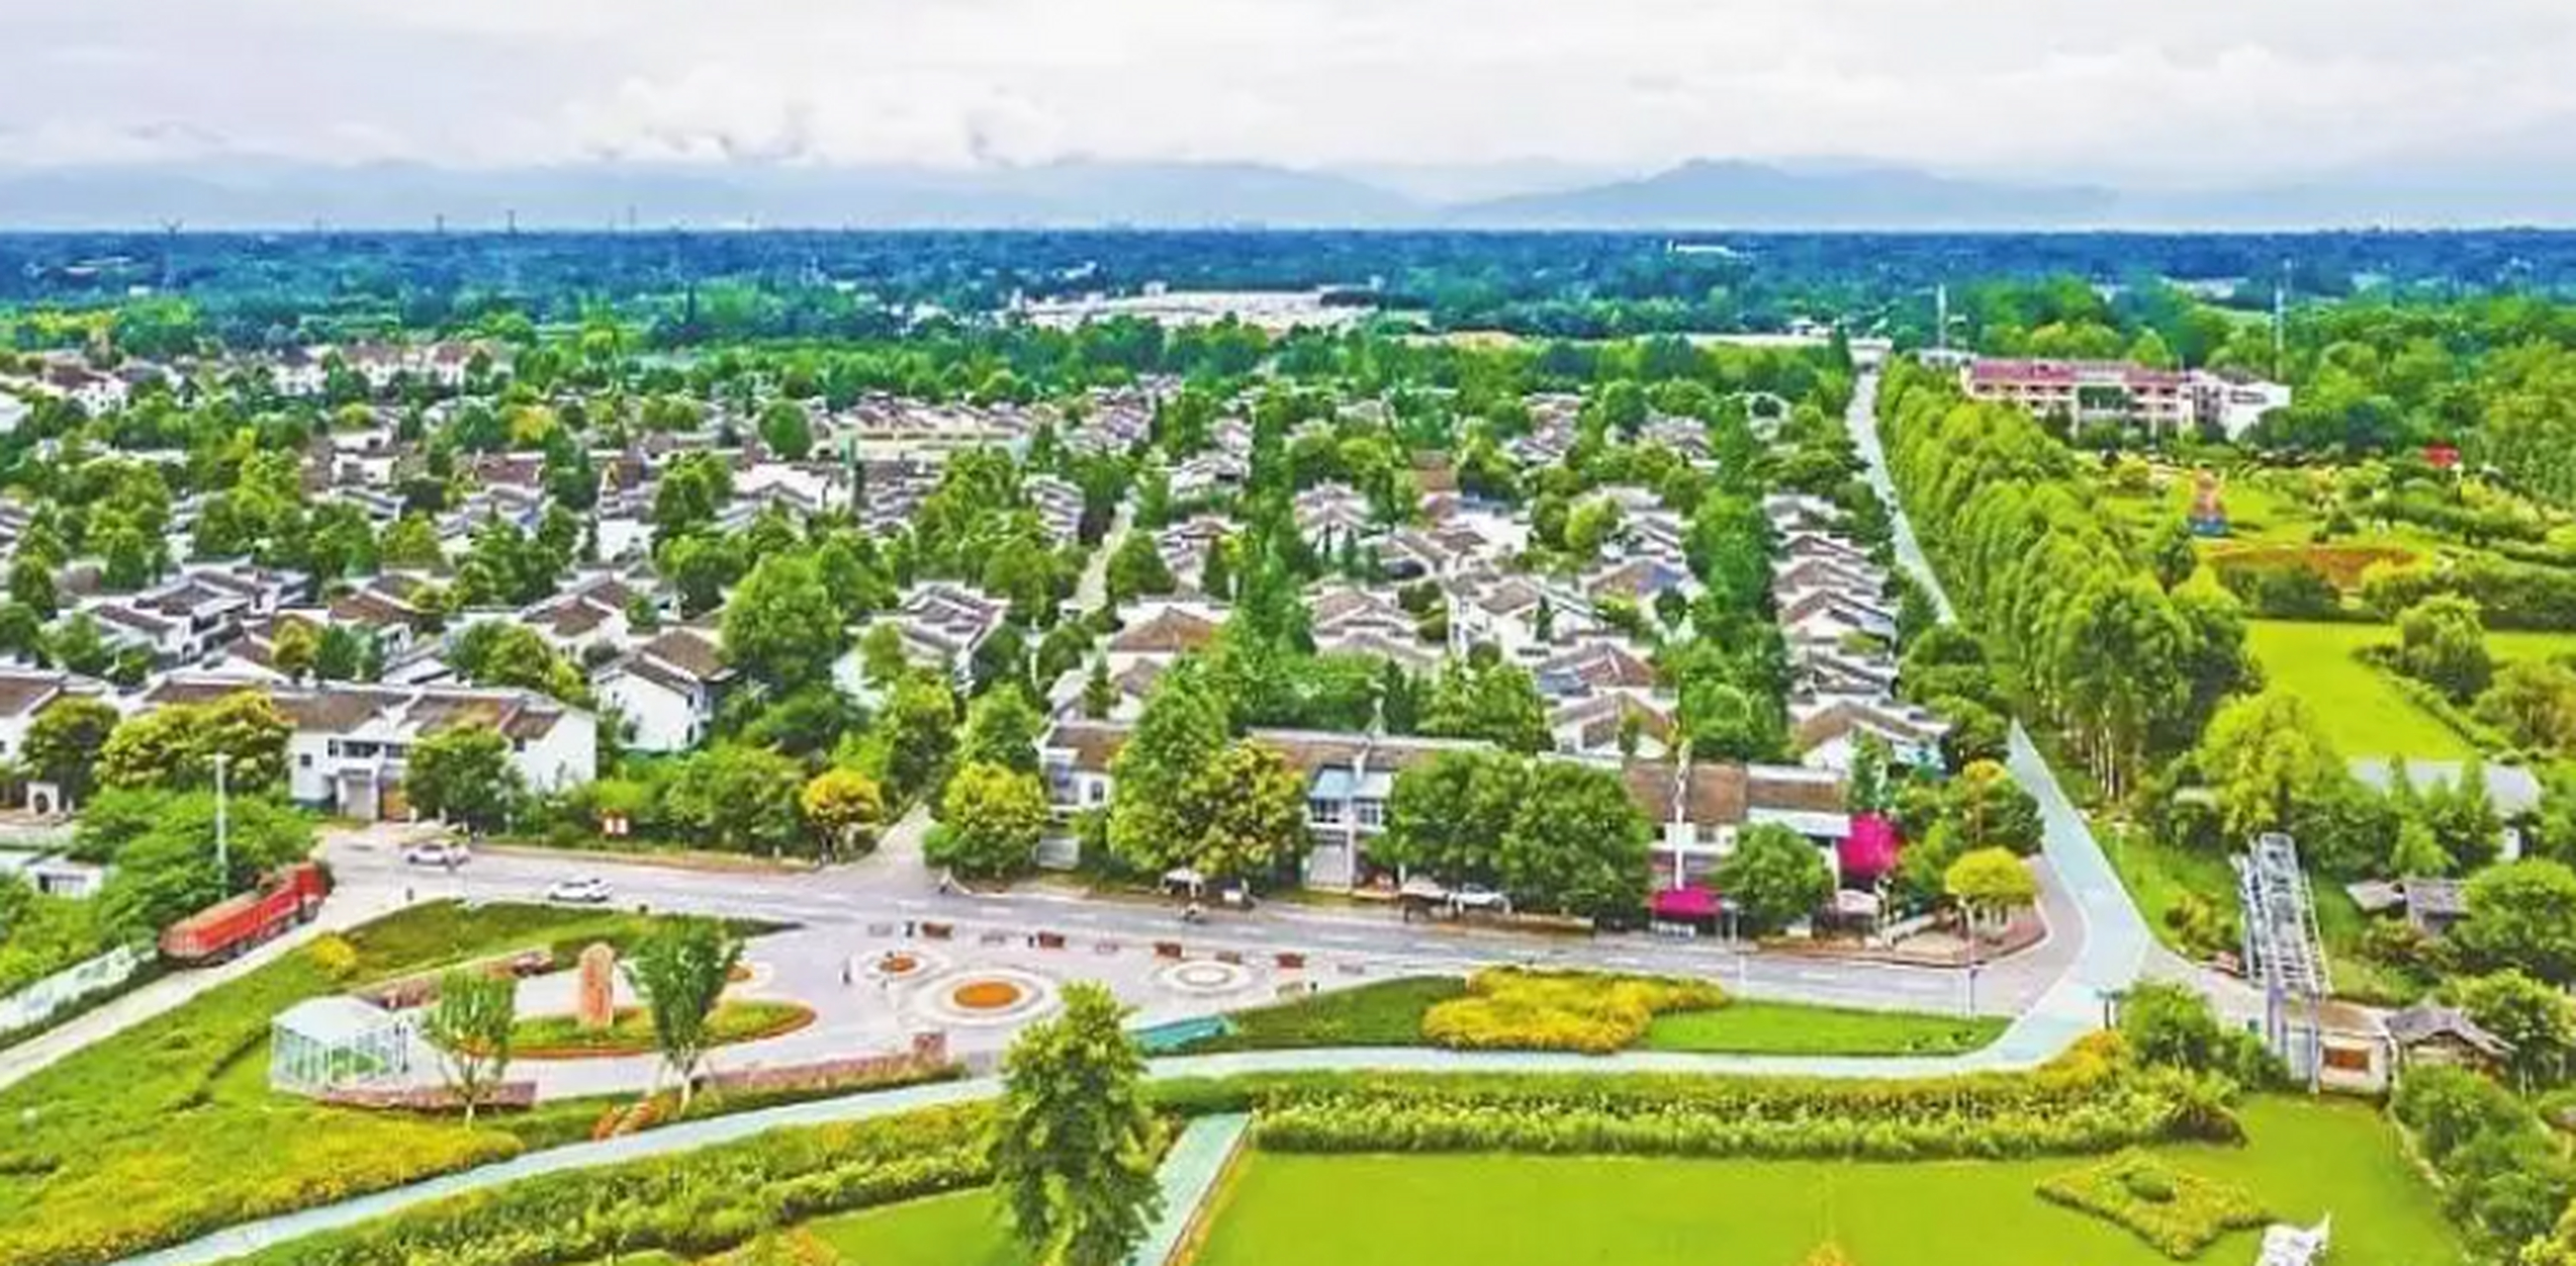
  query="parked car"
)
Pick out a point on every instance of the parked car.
point(585, 890)
point(444, 853)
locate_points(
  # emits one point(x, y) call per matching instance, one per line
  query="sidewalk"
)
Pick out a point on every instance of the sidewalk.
point(1189, 1176)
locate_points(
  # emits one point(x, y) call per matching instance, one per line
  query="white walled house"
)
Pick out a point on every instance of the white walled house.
point(347, 751)
point(667, 690)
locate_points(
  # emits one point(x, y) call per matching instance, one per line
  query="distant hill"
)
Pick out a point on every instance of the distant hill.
point(2437, 191)
point(1730, 194)
point(272, 195)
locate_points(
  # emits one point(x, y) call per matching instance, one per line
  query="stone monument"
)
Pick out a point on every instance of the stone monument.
point(597, 1004)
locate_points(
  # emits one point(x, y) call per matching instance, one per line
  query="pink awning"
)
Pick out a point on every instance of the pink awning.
point(1685, 903)
point(1869, 852)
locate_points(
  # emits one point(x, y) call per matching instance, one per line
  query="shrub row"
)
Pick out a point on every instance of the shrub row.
point(2087, 1102)
point(1507, 1009)
point(2181, 1214)
point(700, 1202)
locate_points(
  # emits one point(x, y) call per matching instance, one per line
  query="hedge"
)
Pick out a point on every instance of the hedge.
point(2089, 1101)
point(694, 1203)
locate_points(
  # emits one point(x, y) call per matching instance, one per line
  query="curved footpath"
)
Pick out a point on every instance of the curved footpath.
point(2112, 938)
point(2115, 936)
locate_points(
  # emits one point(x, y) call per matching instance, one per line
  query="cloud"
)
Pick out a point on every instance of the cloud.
point(2183, 89)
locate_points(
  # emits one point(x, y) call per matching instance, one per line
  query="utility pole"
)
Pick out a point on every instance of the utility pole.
point(223, 825)
point(2280, 320)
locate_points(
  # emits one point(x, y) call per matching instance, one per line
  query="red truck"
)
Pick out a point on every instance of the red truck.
point(234, 924)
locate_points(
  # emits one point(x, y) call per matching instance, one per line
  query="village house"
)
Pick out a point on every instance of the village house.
point(667, 690)
point(347, 749)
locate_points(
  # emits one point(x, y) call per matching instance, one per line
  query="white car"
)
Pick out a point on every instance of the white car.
point(446, 853)
point(587, 890)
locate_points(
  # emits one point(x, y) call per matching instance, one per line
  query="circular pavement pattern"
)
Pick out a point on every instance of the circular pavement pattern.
point(987, 996)
point(1206, 978)
point(903, 964)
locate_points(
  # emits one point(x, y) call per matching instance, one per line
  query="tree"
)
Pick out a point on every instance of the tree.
point(503, 653)
point(2537, 1020)
point(1181, 731)
point(1075, 1146)
point(2442, 642)
point(786, 431)
point(1577, 843)
point(1493, 701)
point(1774, 876)
point(2533, 702)
point(991, 818)
point(2522, 915)
point(176, 746)
point(2172, 1026)
point(1989, 884)
point(1447, 816)
point(64, 741)
point(1991, 809)
point(680, 970)
point(2271, 765)
point(842, 807)
point(739, 798)
point(1002, 728)
point(781, 626)
point(470, 1027)
point(916, 732)
point(1249, 807)
point(1136, 569)
point(463, 774)
point(411, 543)
point(294, 648)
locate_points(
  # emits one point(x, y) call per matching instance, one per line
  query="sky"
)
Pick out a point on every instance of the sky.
point(2176, 91)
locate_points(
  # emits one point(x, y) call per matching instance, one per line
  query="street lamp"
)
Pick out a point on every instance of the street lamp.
point(223, 839)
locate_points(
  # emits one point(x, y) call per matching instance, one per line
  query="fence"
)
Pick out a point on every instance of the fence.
point(38, 1002)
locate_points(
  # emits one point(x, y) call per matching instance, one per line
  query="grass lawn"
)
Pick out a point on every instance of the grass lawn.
point(964, 1229)
point(1389, 1013)
point(2306, 1159)
point(1381, 1013)
point(1765, 1028)
point(2362, 711)
point(562, 1037)
point(169, 1130)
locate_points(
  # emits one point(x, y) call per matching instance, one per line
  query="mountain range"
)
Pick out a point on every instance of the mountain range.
point(1707, 194)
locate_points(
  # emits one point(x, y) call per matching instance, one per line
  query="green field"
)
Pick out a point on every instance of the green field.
point(1775, 1028)
point(2362, 710)
point(2305, 1160)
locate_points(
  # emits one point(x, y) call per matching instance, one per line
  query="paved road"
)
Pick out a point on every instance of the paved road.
point(874, 896)
point(2114, 936)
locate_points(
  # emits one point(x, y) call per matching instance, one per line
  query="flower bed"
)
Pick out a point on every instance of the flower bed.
point(986, 995)
point(1511, 1010)
point(557, 1037)
point(2181, 1214)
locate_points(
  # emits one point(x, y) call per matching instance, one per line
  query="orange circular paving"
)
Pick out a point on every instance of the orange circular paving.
point(987, 995)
